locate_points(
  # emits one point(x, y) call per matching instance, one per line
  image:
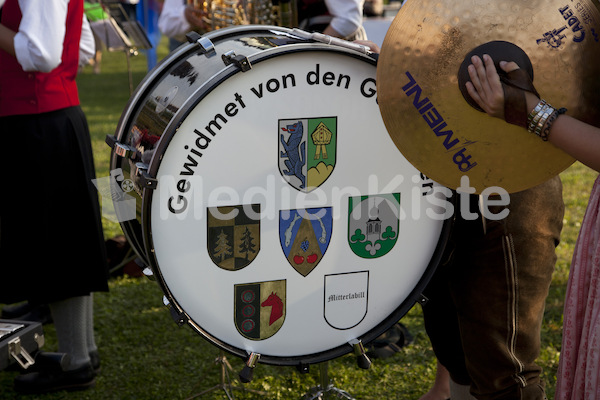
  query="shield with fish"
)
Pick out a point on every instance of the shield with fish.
point(304, 235)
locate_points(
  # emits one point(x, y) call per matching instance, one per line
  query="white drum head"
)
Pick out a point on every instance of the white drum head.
point(323, 229)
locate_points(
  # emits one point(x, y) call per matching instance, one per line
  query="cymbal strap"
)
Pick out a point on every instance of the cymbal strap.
point(514, 83)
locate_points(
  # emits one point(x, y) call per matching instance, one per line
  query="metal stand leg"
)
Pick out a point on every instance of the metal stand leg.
point(326, 390)
point(128, 53)
point(225, 384)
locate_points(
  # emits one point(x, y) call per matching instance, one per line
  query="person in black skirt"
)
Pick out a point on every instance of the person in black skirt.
point(51, 244)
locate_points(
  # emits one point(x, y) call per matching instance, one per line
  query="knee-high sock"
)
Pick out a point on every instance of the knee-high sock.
point(89, 324)
point(70, 322)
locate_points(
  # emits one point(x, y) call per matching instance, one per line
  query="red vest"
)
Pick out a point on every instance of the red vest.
point(23, 92)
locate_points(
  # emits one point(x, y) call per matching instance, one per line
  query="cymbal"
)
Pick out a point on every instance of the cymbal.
point(434, 125)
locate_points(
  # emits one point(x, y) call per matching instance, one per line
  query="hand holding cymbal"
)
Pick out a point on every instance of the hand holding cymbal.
point(440, 129)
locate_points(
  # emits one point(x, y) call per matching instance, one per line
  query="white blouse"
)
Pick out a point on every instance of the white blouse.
point(39, 41)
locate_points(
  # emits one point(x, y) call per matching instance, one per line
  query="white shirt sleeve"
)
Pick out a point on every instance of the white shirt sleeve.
point(39, 41)
point(172, 22)
point(87, 43)
point(347, 15)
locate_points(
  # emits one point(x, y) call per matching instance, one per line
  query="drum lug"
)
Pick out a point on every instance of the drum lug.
point(179, 318)
point(148, 273)
point(143, 177)
point(362, 359)
point(120, 149)
point(303, 368)
point(206, 45)
point(248, 370)
point(241, 62)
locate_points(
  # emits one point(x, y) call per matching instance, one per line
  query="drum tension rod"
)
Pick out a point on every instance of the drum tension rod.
point(240, 61)
point(248, 370)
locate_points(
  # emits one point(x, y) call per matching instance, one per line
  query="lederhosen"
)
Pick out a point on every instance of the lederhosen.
point(486, 304)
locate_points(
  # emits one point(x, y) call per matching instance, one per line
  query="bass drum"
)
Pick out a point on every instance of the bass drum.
point(276, 213)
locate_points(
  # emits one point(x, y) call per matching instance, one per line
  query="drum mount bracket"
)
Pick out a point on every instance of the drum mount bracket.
point(206, 45)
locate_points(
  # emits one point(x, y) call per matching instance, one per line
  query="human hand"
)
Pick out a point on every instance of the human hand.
point(371, 45)
point(485, 86)
point(195, 17)
point(515, 92)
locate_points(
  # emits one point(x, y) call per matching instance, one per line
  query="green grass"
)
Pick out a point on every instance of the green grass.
point(146, 355)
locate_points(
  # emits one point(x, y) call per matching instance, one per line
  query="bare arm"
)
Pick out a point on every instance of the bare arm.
point(576, 138)
point(7, 40)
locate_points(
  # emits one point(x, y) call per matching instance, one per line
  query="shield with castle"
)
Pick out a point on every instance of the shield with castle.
point(373, 224)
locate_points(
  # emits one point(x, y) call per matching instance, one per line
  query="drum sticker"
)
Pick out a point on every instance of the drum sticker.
point(233, 235)
point(373, 224)
point(346, 298)
point(305, 235)
point(259, 308)
point(307, 151)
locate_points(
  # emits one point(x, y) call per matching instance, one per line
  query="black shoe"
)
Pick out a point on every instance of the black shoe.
point(51, 377)
point(390, 342)
point(40, 313)
point(52, 381)
point(95, 361)
point(49, 360)
point(28, 312)
point(12, 311)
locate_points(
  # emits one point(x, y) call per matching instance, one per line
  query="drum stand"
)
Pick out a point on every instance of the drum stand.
point(225, 383)
point(326, 390)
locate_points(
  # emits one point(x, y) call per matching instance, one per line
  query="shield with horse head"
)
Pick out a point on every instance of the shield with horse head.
point(259, 308)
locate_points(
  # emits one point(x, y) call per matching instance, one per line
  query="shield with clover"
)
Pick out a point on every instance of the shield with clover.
point(373, 224)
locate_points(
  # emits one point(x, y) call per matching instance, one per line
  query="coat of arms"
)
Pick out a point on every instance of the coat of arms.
point(304, 235)
point(259, 308)
point(307, 151)
point(373, 224)
point(233, 238)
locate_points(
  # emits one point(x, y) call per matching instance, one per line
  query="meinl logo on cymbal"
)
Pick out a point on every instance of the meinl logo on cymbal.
point(437, 124)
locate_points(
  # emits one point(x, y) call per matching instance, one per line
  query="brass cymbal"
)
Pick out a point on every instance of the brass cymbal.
point(434, 126)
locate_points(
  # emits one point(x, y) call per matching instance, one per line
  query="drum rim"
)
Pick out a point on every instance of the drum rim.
point(180, 316)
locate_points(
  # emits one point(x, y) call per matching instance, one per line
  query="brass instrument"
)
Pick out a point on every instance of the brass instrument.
point(223, 13)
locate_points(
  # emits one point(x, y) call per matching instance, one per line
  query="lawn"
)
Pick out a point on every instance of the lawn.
point(145, 355)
